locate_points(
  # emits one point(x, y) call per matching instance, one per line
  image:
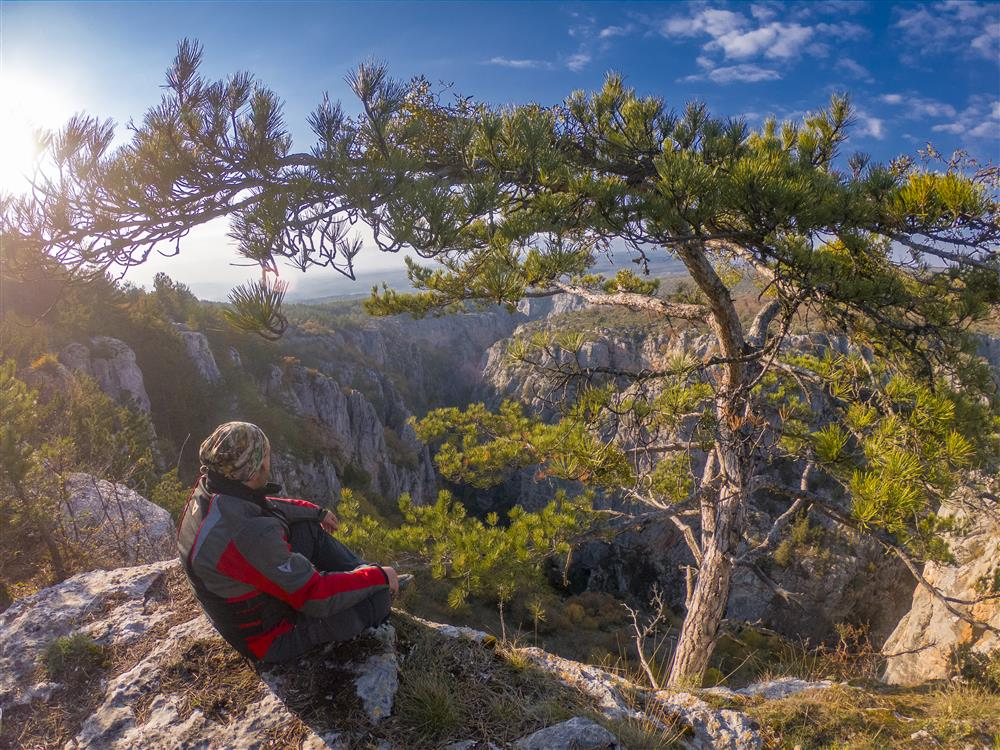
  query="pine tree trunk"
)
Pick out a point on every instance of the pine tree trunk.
point(711, 593)
point(722, 517)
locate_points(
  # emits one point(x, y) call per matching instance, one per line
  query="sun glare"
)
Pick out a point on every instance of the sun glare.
point(27, 103)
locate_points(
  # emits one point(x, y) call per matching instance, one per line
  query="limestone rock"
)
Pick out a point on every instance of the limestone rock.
point(921, 645)
point(353, 434)
point(713, 729)
point(576, 734)
point(111, 363)
point(201, 353)
point(109, 605)
point(378, 676)
point(115, 525)
point(772, 689)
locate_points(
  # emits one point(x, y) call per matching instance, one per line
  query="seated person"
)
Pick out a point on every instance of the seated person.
point(268, 575)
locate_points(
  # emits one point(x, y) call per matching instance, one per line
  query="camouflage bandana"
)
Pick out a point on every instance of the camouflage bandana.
point(235, 450)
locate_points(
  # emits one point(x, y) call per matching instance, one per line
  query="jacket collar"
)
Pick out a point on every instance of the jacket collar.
point(216, 483)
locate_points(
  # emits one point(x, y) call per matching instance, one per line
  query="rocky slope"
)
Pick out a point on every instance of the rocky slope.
point(166, 680)
point(111, 363)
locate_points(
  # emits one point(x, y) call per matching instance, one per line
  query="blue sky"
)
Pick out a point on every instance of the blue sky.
point(917, 72)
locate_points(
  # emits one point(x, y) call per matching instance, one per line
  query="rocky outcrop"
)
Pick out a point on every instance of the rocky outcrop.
point(112, 525)
point(200, 352)
point(349, 434)
point(111, 363)
point(169, 681)
point(924, 644)
point(849, 579)
point(112, 606)
point(708, 728)
point(147, 611)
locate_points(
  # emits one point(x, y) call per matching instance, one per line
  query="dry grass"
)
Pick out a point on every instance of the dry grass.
point(879, 717)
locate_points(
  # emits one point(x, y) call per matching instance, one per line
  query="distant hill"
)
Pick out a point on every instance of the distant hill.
point(314, 288)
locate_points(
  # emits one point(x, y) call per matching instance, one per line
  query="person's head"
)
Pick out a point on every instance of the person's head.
point(238, 451)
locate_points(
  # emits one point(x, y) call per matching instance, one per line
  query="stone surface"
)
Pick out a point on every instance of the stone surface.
point(772, 689)
point(712, 729)
point(200, 352)
point(116, 608)
point(353, 434)
point(920, 647)
point(577, 733)
point(112, 606)
point(113, 525)
point(111, 363)
point(378, 676)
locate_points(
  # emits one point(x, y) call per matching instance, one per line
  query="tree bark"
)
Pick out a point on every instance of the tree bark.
point(721, 521)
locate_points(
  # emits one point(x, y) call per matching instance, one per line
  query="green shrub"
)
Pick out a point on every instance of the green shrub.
point(75, 657)
point(171, 494)
point(980, 670)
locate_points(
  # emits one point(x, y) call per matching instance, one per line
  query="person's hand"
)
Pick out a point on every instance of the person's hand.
point(329, 522)
point(390, 573)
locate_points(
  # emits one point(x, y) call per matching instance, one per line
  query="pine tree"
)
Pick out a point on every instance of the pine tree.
point(519, 201)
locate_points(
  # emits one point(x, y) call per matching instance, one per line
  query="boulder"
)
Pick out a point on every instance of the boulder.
point(922, 645)
point(111, 363)
point(115, 525)
point(578, 733)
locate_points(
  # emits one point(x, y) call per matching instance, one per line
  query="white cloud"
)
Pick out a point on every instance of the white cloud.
point(979, 120)
point(919, 107)
point(738, 45)
point(775, 41)
point(871, 126)
point(746, 73)
point(613, 31)
point(843, 30)
point(763, 11)
point(713, 21)
point(972, 28)
point(507, 62)
point(578, 61)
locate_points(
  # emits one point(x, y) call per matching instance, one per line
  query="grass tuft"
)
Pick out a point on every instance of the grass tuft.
point(74, 658)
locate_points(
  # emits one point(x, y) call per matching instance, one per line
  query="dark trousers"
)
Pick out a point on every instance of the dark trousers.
point(329, 556)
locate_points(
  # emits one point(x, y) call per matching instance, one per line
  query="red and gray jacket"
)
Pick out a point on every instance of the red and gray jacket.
point(233, 542)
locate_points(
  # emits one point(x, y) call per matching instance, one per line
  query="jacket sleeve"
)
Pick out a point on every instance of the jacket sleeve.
point(261, 557)
point(297, 510)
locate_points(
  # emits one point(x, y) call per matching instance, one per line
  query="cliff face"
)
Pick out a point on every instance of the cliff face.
point(847, 578)
point(353, 434)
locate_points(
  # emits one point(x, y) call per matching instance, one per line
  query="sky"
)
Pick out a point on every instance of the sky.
point(916, 72)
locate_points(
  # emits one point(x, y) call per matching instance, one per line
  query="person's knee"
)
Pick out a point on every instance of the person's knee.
point(302, 537)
